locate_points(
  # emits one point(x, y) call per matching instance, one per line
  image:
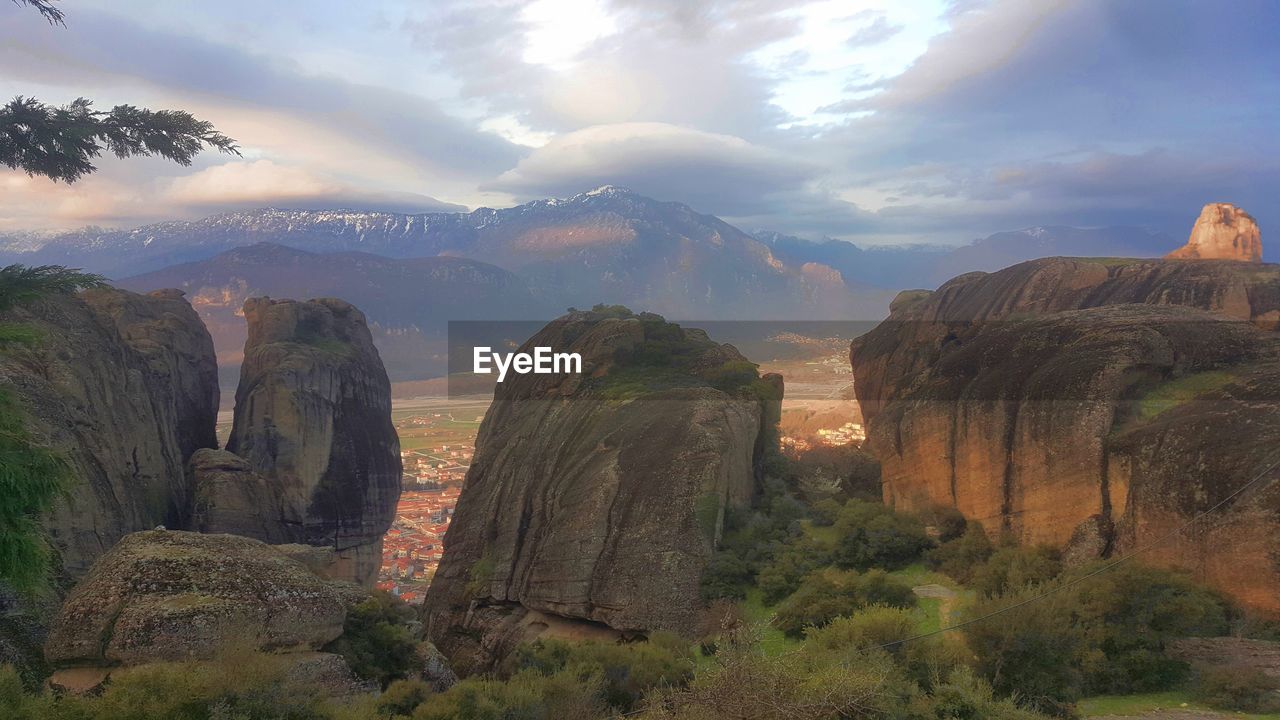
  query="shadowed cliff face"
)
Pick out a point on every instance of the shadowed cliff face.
point(125, 385)
point(594, 501)
point(313, 419)
point(1097, 405)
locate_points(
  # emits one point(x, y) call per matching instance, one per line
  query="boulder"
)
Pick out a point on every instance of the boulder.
point(313, 419)
point(1222, 232)
point(230, 497)
point(594, 500)
point(168, 595)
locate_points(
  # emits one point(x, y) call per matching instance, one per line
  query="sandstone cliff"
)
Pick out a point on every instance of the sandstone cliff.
point(312, 418)
point(594, 501)
point(1222, 232)
point(1094, 404)
point(126, 386)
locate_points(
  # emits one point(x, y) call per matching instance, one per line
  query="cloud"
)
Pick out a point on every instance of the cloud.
point(715, 173)
point(877, 32)
point(126, 194)
point(243, 185)
point(114, 51)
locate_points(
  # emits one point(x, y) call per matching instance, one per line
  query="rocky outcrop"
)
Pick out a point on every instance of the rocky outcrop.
point(125, 386)
point(312, 417)
point(594, 500)
point(168, 595)
point(1094, 404)
point(230, 497)
point(1222, 232)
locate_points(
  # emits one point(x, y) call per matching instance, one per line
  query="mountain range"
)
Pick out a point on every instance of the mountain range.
point(413, 273)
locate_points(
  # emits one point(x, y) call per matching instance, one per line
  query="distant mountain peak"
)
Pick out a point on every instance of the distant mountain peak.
point(607, 190)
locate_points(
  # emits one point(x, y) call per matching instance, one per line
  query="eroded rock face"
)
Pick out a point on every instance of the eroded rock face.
point(168, 595)
point(125, 385)
point(594, 501)
point(1222, 232)
point(313, 417)
point(230, 497)
point(1096, 405)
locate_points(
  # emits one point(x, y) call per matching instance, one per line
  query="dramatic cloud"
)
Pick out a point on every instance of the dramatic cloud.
point(717, 173)
point(870, 120)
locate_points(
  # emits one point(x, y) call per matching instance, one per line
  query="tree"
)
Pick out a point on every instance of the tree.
point(60, 142)
point(31, 475)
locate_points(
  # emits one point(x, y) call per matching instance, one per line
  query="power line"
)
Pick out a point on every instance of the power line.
point(1098, 571)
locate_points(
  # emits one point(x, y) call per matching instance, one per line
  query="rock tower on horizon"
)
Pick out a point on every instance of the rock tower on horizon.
point(1222, 232)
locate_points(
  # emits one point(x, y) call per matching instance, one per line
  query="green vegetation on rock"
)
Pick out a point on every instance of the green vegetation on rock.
point(32, 475)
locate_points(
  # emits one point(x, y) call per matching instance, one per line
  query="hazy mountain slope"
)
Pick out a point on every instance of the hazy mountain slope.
point(927, 266)
point(408, 301)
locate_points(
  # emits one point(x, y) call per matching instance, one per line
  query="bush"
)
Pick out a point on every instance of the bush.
point(1104, 635)
point(949, 522)
point(793, 686)
point(965, 696)
point(1016, 567)
point(961, 556)
point(240, 684)
point(1240, 688)
point(726, 576)
point(376, 641)
point(624, 672)
point(783, 575)
point(1129, 615)
point(526, 696)
point(828, 594)
point(872, 535)
point(402, 696)
point(925, 660)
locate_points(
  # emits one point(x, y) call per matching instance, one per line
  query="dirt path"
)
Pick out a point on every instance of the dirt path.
point(945, 595)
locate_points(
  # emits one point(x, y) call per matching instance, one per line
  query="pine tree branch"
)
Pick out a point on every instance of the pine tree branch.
point(60, 142)
point(45, 8)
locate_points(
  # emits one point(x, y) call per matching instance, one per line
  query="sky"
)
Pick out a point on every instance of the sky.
point(873, 121)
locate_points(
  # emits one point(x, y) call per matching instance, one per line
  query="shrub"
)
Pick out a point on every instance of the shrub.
point(879, 628)
point(1129, 614)
point(1032, 651)
point(961, 556)
point(402, 696)
point(783, 575)
point(726, 576)
point(240, 684)
point(625, 672)
point(1237, 687)
point(526, 696)
point(1016, 567)
point(950, 522)
point(872, 535)
point(793, 686)
point(376, 641)
point(828, 594)
point(1105, 634)
point(965, 696)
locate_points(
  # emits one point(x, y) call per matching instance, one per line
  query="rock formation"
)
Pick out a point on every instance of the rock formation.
point(126, 386)
point(312, 417)
point(1222, 232)
point(594, 500)
point(1097, 405)
point(170, 595)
